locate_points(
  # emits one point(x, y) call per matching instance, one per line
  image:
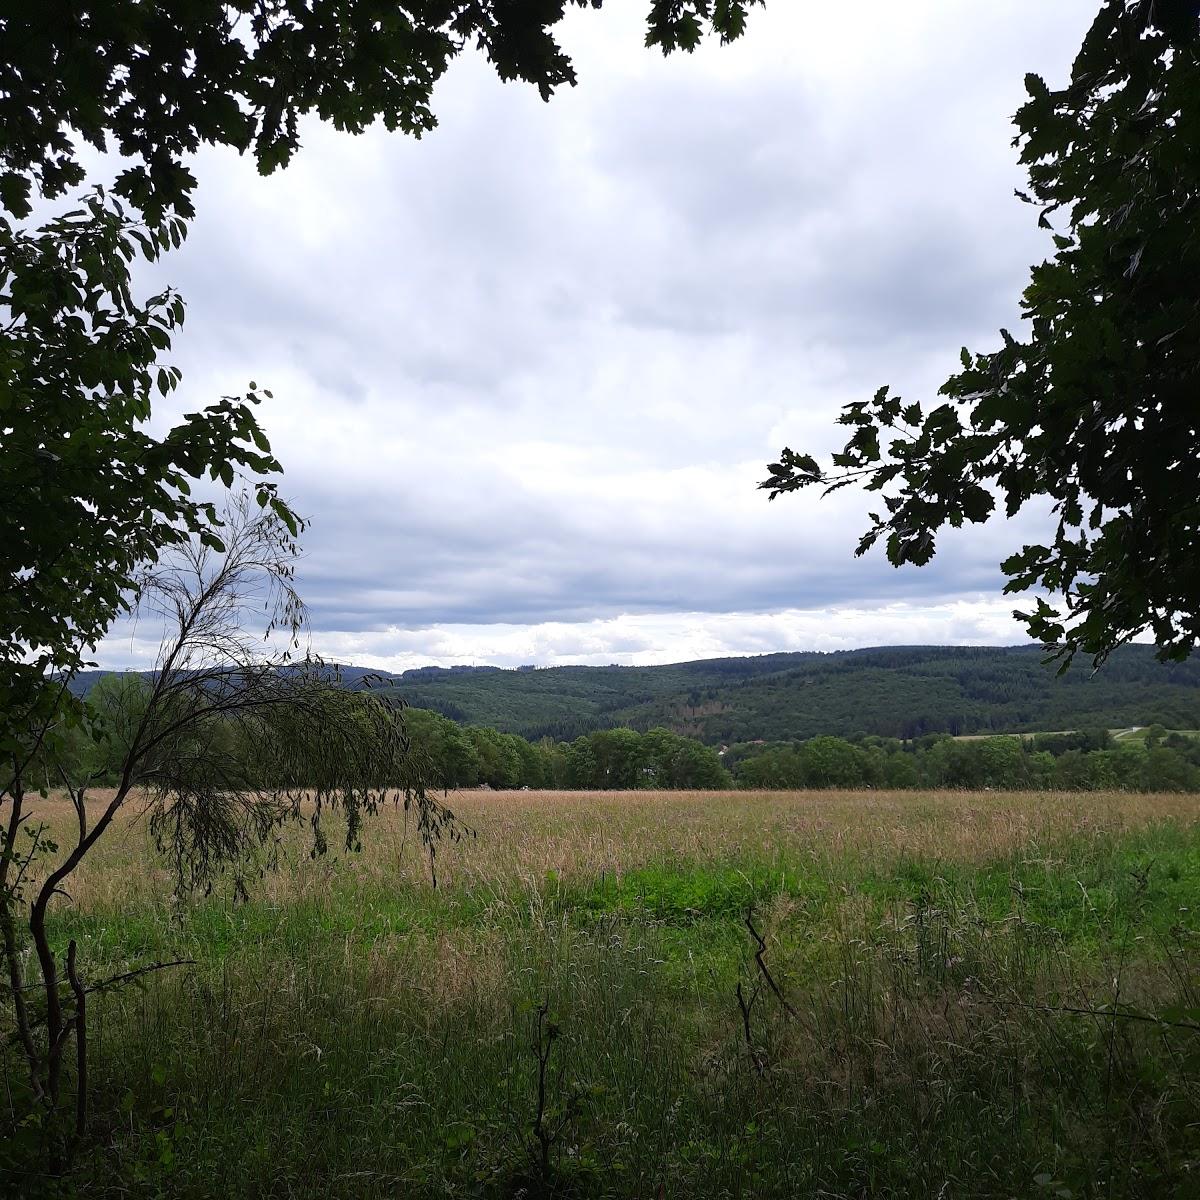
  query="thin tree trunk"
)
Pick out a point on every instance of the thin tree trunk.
point(8, 930)
point(56, 1033)
point(81, 1049)
point(54, 1014)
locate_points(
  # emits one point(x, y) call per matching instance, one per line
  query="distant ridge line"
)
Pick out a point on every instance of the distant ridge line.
point(890, 691)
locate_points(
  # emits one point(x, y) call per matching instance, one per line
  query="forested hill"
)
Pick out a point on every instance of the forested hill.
point(894, 691)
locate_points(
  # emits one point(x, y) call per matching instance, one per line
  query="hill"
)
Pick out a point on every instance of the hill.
point(894, 691)
point(899, 691)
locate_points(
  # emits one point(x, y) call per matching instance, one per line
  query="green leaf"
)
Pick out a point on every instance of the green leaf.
point(14, 194)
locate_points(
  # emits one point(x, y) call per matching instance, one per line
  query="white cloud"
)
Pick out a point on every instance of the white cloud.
point(527, 370)
point(643, 639)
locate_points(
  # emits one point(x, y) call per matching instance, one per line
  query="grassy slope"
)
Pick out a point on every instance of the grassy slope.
point(352, 1032)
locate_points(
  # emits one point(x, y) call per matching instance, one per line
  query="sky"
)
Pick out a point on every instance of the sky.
point(528, 370)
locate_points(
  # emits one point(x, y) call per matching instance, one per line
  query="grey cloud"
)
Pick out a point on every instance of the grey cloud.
point(478, 560)
point(521, 366)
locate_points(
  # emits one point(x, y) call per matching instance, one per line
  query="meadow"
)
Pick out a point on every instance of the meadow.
point(955, 994)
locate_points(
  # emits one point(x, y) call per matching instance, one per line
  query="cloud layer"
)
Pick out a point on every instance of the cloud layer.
point(527, 371)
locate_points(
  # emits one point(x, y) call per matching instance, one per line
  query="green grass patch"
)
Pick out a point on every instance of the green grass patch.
point(376, 1038)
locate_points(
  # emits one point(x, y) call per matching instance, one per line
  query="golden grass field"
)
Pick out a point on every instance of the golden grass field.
point(347, 1030)
point(519, 836)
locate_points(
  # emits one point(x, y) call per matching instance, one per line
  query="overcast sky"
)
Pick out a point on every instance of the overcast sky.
point(528, 370)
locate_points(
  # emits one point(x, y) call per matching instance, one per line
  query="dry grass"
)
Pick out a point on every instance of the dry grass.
point(522, 836)
point(375, 1023)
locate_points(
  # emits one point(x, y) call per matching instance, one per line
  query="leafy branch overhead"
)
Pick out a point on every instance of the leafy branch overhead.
point(156, 82)
point(90, 493)
point(1097, 409)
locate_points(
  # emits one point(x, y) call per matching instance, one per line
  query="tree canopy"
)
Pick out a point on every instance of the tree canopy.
point(155, 82)
point(1097, 407)
point(90, 493)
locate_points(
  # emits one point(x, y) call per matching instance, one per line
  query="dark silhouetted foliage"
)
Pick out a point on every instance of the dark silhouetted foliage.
point(1094, 407)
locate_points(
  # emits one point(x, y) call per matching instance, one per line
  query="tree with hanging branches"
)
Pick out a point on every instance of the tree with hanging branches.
point(233, 737)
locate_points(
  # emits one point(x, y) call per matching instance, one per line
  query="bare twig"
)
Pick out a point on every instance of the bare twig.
point(746, 1007)
point(103, 986)
point(1109, 1013)
point(115, 980)
point(545, 1035)
point(762, 966)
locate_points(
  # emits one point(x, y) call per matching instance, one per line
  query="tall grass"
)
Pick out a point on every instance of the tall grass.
point(353, 1032)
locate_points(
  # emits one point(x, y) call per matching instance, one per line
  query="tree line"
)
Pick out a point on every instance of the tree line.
point(469, 755)
point(1088, 760)
point(452, 755)
point(896, 692)
point(447, 754)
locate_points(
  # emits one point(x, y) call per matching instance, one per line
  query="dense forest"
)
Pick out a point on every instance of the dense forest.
point(1154, 759)
point(895, 692)
point(901, 692)
point(445, 754)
